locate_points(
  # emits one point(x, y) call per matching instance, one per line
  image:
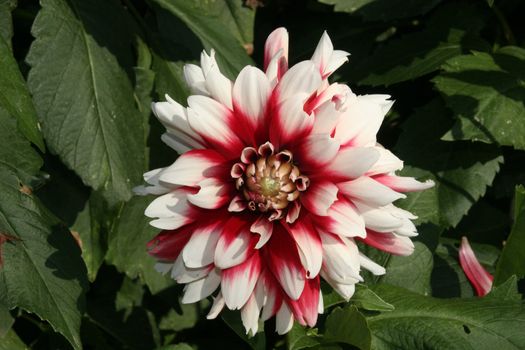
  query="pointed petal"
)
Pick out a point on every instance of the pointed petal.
point(194, 166)
point(404, 184)
point(216, 308)
point(386, 163)
point(351, 163)
point(239, 281)
point(305, 309)
point(380, 219)
point(369, 191)
point(172, 209)
point(344, 290)
point(284, 320)
point(235, 244)
point(277, 40)
point(389, 242)
point(200, 249)
point(303, 78)
point(283, 261)
point(210, 119)
point(480, 278)
point(219, 87)
point(371, 265)
point(309, 243)
point(341, 260)
point(202, 288)
point(250, 94)
point(264, 228)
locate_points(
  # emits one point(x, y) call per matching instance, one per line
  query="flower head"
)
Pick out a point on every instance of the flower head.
point(280, 175)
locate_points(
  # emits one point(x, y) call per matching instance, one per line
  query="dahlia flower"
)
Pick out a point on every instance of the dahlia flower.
point(280, 175)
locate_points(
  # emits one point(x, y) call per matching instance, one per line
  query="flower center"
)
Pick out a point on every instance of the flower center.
point(268, 181)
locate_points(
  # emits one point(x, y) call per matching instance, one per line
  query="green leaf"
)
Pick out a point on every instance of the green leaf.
point(507, 290)
point(6, 320)
point(129, 296)
point(233, 320)
point(365, 298)
point(512, 260)
point(383, 10)
point(450, 32)
point(17, 155)
point(486, 93)
point(448, 278)
point(127, 245)
point(300, 337)
point(347, 325)
point(14, 96)
point(461, 170)
point(42, 271)
point(420, 322)
point(91, 227)
point(83, 93)
point(204, 19)
point(6, 23)
point(185, 316)
point(11, 341)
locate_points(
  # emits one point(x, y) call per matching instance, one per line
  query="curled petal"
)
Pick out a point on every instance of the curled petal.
point(480, 278)
point(277, 41)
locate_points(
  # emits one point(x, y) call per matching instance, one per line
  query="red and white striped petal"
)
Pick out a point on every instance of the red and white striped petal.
point(351, 163)
point(404, 184)
point(194, 166)
point(369, 191)
point(235, 244)
point(371, 265)
point(167, 245)
point(389, 242)
point(361, 120)
point(264, 228)
point(290, 122)
point(250, 95)
point(309, 243)
point(339, 95)
point(480, 278)
point(276, 41)
point(200, 289)
point(340, 259)
point(303, 79)
point(283, 260)
point(319, 197)
point(172, 210)
point(343, 219)
point(305, 309)
point(239, 281)
point(325, 58)
point(210, 119)
point(213, 194)
point(276, 68)
point(200, 249)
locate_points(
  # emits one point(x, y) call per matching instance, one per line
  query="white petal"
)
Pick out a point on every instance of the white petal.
point(213, 194)
point(341, 260)
point(302, 78)
point(337, 59)
point(352, 162)
point(344, 290)
point(202, 288)
point(284, 319)
point(195, 79)
point(251, 310)
point(404, 184)
point(216, 308)
point(232, 251)
point(370, 265)
point(320, 149)
point(219, 87)
point(369, 191)
point(173, 210)
point(192, 167)
point(386, 163)
point(183, 274)
point(361, 120)
point(250, 93)
point(200, 249)
point(344, 220)
point(208, 62)
point(379, 219)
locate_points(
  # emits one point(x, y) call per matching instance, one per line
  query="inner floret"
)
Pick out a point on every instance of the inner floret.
point(267, 180)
